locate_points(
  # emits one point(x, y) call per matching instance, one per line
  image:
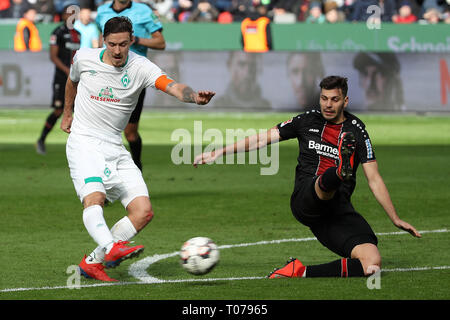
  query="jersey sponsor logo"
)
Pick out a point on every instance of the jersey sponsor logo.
point(314, 130)
point(324, 150)
point(72, 46)
point(105, 95)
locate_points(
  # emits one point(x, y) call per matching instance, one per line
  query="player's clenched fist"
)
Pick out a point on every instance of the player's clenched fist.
point(203, 97)
point(66, 123)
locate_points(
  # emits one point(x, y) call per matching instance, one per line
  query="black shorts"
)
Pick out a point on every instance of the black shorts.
point(335, 223)
point(136, 115)
point(59, 89)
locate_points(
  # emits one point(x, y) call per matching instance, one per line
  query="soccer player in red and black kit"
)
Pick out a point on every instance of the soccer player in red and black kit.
point(332, 144)
point(64, 41)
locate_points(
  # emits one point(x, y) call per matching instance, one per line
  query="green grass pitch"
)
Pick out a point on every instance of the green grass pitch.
point(42, 233)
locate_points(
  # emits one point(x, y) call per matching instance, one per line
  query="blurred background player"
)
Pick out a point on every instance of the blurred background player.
point(64, 41)
point(100, 166)
point(87, 28)
point(148, 34)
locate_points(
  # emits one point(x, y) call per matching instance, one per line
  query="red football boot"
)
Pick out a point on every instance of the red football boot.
point(93, 271)
point(347, 147)
point(293, 269)
point(121, 252)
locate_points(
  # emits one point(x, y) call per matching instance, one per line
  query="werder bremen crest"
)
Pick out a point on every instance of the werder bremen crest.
point(125, 79)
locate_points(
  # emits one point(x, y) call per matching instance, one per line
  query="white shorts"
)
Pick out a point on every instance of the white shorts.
point(98, 166)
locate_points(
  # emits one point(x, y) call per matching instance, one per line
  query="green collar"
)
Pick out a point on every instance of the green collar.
point(102, 53)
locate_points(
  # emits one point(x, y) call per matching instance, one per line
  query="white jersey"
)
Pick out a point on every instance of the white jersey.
point(107, 95)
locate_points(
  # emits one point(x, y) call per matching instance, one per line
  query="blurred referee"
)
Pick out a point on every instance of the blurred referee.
point(148, 34)
point(64, 42)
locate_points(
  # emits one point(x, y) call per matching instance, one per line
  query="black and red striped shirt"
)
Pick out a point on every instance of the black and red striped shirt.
point(318, 142)
point(68, 42)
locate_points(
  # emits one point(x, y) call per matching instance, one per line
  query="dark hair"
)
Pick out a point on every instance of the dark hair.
point(385, 62)
point(335, 82)
point(116, 25)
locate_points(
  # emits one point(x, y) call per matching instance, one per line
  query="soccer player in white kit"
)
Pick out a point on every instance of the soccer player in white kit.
point(104, 84)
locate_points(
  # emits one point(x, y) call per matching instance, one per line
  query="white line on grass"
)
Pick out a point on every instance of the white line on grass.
point(138, 269)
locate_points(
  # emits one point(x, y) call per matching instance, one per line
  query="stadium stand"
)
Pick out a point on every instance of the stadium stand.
point(279, 11)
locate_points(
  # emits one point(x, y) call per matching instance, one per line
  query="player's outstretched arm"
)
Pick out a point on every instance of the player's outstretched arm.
point(250, 143)
point(379, 190)
point(185, 93)
point(69, 99)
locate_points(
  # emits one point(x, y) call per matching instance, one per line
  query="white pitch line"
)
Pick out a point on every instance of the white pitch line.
point(139, 269)
point(136, 268)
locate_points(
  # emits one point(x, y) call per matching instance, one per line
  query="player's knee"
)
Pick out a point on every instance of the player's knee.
point(371, 264)
point(95, 198)
point(148, 215)
point(369, 256)
point(142, 218)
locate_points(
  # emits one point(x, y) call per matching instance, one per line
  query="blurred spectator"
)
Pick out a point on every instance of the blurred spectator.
point(204, 12)
point(91, 4)
point(15, 10)
point(4, 8)
point(222, 5)
point(339, 3)
point(27, 35)
point(88, 29)
point(225, 17)
point(183, 10)
point(405, 14)
point(280, 15)
point(303, 10)
point(61, 4)
point(315, 13)
point(360, 12)
point(285, 11)
point(332, 14)
point(163, 9)
point(348, 9)
point(438, 5)
point(255, 31)
point(432, 16)
point(446, 15)
point(45, 10)
point(241, 9)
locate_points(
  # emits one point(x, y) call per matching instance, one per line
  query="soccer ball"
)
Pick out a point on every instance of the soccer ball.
point(199, 255)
